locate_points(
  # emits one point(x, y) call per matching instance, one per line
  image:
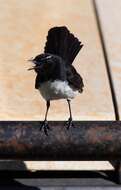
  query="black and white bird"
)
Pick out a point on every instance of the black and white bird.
point(56, 77)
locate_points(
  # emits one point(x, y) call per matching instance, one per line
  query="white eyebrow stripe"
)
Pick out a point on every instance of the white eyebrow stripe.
point(49, 56)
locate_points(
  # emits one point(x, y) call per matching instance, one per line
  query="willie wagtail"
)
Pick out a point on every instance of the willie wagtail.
point(56, 77)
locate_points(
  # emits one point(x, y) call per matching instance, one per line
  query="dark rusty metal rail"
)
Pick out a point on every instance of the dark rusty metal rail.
point(86, 141)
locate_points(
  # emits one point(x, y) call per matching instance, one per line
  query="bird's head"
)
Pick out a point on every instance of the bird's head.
point(39, 60)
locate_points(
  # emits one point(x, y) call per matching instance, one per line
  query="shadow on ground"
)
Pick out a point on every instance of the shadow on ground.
point(7, 181)
point(23, 179)
point(40, 180)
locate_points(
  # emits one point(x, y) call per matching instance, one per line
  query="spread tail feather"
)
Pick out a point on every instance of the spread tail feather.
point(62, 43)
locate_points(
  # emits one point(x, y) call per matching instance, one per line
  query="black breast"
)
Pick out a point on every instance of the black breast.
point(56, 69)
point(53, 69)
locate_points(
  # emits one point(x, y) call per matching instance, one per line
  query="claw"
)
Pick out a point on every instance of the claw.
point(45, 127)
point(70, 123)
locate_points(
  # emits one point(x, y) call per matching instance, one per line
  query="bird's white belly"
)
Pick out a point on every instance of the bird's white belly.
point(57, 90)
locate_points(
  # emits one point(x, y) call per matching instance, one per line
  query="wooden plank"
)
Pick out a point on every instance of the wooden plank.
point(24, 27)
point(71, 165)
point(110, 18)
point(55, 165)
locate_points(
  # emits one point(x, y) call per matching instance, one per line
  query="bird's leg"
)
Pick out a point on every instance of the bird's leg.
point(70, 120)
point(45, 125)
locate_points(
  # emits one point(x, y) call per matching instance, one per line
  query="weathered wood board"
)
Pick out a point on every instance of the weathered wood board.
point(110, 20)
point(24, 26)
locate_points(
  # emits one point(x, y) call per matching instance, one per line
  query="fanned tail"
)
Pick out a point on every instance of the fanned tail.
point(62, 43)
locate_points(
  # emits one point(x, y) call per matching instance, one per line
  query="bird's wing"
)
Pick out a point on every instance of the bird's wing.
point(74, 79)
point(62, 43)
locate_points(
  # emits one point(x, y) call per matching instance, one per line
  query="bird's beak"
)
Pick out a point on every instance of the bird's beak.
point(31, 60)
point(32, 68)
point(35, 67)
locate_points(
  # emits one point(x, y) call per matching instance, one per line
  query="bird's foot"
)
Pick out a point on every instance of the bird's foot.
point(45, 127)
point(70, 123)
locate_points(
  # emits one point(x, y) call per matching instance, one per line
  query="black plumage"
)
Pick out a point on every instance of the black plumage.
point(55, 64)
point(52, 69)
point(63, 47)
point(62, 43)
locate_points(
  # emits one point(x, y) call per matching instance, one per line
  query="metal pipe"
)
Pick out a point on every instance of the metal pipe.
point(88, 140)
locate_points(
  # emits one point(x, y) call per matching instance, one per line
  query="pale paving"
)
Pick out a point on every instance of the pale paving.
point(23, 30)
point(110, 18)
point(55, 165)
point(24, 26)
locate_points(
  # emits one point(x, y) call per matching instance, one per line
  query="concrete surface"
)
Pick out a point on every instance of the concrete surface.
point(24, 26)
